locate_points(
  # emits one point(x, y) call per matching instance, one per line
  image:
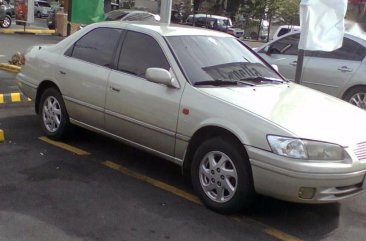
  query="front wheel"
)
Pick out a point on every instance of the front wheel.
point(221, 176)
point(357, 97)
point(6, 23)
point(53, 115)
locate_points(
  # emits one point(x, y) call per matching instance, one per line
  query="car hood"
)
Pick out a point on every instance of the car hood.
point(304, 112)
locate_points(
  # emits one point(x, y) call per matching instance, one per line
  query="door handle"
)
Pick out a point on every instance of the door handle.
point(294, 63)
point(115, 89)
point(62, 72)
point(345, 69)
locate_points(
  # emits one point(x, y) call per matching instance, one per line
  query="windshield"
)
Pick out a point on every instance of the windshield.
point(206, 58)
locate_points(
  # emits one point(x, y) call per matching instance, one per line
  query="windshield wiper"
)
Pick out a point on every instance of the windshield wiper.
point(221, 82)
point(259, 79)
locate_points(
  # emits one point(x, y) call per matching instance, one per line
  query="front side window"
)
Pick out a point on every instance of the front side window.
point(140, 52)
point(210, 58)
point(97, 47)
point(288, 45)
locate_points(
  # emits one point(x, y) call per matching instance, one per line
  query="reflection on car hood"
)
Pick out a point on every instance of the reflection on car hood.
point(306, 113)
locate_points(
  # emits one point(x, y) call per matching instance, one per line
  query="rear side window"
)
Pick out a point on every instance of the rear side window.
point(97, 47)
point(350, 50)
point(140, 52)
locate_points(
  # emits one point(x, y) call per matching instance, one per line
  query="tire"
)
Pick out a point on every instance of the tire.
point(6, 23)
point(226, 185)
point(53, 115)
point(39, 15)
point(357, 97)
point(253, 35)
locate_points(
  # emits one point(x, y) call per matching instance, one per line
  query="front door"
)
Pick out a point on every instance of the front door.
point(138, 110)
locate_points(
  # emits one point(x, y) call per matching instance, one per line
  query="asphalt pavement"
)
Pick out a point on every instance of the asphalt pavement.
point(93, 188)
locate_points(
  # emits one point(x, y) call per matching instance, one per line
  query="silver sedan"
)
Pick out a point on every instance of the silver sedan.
point(341, 73)
point(204, 101)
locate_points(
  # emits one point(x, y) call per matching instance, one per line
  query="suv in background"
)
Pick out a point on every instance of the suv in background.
point(215, 22)
point(284, 29)
point(41, 8)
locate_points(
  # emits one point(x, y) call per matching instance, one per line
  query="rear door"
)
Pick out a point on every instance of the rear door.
point(330, 71)
point(83, 74)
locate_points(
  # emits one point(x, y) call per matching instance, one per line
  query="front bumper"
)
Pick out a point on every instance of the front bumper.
point(326, 182)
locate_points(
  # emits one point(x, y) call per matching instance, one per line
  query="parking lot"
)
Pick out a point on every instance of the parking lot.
point(93, 188)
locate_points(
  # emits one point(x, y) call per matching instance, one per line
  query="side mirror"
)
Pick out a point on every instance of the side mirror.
point(275, 67)
point(160, 76)
point(267, 50)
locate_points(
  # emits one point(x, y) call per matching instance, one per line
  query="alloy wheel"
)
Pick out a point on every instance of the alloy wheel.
point(218, 176)
point(359, 100)
point(51, 114)
point(6, 22)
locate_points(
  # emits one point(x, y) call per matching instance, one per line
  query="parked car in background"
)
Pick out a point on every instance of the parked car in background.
point(5, 14)
point(285, 29)
point(131, 15)
point(215, 22)
point(41, 8)
point(341, 73)
point(203, 100)
point(236, 32)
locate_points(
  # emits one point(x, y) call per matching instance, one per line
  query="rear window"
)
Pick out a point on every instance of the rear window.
point(44, 4)
point(283, 31)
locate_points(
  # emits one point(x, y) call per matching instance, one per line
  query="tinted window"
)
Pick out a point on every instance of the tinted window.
point(283, 31)
point(97, 46)
point(44, 4)
point(350, 50)
point(288, 45)
point(140, 52)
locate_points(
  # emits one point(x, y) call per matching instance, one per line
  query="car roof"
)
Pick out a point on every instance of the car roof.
point(198, 15)
point(162, 28)
point(347, 35)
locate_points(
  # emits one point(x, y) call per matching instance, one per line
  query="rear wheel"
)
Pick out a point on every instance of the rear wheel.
point(357, 97)
point(53, 115)
point(6, 23)
point(221, 176)
point(39, 15)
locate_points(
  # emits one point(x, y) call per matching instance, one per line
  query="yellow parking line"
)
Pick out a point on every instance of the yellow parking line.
point(2, 136)
point(1, 98)
point(176, 191)
point(153, 182)
point(65, 146)
point(15, 97)
point(280, 235)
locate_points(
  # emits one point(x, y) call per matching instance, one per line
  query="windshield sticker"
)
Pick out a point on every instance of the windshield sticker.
point(237, 71)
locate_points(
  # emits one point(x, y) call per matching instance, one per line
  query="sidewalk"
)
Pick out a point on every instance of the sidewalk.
point(38, 27)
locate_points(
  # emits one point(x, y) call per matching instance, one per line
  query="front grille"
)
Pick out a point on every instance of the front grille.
point(360, 151)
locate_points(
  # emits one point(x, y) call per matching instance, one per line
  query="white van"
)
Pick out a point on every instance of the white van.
point(284, 29)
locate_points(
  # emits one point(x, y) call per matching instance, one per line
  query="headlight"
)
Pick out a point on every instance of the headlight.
point(305, 149)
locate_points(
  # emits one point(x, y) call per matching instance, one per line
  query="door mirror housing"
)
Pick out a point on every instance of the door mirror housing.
point(267, 50)
point(160, 76)
point(275, 67)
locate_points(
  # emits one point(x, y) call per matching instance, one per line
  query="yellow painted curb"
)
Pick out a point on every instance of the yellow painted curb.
point(10, 68)
point(2, 136)
point(13, 97)
point(34, 31)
